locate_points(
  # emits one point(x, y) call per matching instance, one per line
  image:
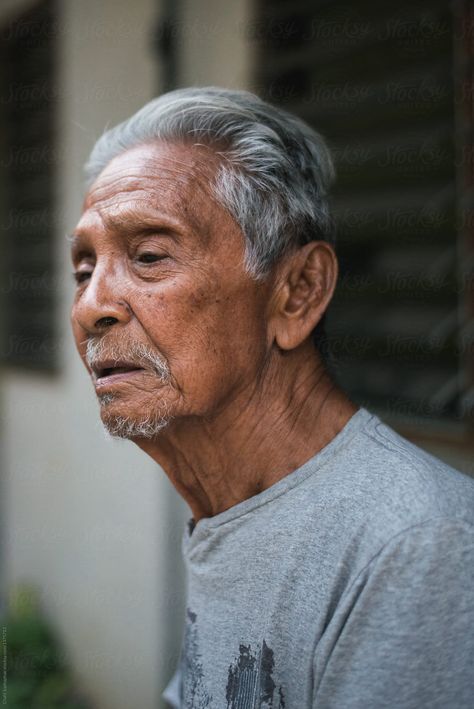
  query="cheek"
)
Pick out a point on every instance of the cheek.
point(208, 327)
point(79, 336)
point(227, 334)
point(210, 318)
point(173, 320)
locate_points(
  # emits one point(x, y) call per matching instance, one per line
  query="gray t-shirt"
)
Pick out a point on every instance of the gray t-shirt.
point(348, 584)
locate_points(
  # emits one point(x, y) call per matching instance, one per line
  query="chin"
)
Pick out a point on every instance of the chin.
point(128, 425)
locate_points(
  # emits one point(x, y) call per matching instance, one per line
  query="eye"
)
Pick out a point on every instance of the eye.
point(149, 257)
point(81, 276)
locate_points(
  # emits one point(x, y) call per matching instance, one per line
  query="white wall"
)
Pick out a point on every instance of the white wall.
point(89, 519)
point(213, 43)
point(93, 522)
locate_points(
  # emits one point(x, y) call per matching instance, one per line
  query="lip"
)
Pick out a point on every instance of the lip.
point(110, 379)
point(104, 374)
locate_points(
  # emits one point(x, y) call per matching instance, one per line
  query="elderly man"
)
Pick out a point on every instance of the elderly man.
point(330, 563)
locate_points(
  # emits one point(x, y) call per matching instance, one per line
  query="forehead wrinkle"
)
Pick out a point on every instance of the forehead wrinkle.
point(174, 187)
point(168, 168)
point(129, 185)
point(162, 161)
point(127, 219)
point(131, 221)
point(174, 210)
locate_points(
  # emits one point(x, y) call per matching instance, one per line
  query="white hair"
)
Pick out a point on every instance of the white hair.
point(99, 348)
point(146, 427)
point(274, 171)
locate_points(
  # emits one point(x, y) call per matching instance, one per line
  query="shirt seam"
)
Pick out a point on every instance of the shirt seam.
point(404, 531)
point(383, 441)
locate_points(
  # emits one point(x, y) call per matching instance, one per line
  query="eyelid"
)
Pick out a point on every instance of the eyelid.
point(155, 256)
point(150, 246)
point(81, 253)
point(148, 243)
point(79, 276)
point(150, 250)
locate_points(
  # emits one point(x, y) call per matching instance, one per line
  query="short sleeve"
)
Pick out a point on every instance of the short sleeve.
point(403, 634)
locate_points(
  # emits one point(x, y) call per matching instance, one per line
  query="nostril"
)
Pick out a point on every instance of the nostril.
point(105, 322)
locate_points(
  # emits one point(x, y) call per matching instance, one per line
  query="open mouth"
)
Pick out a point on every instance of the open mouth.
point(105, 372)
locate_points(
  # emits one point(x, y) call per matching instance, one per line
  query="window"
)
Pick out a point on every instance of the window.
point(27, 162)
point(390, 87)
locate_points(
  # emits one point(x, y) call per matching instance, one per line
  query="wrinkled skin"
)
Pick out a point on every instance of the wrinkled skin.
point(160, 263)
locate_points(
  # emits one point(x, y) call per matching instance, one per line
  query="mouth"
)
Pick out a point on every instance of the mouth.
point(108, 372)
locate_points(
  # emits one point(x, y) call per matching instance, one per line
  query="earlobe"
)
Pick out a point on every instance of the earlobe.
point(308, 282)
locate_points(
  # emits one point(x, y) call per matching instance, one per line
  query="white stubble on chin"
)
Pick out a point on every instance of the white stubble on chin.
point(119, 426)
point(127, 427)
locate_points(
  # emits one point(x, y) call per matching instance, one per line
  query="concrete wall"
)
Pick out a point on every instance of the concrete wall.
point(88, 518)
point(213, 46)
point(92, 521)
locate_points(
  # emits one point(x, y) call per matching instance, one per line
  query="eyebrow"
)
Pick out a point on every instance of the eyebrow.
point(127, 226)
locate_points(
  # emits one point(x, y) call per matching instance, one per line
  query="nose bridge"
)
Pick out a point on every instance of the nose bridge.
point(105, 283)
point(104, 298)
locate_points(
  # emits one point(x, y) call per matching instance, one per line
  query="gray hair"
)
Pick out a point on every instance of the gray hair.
point(274, 171)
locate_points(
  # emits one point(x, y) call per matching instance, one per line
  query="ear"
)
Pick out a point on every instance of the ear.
point(304, 289)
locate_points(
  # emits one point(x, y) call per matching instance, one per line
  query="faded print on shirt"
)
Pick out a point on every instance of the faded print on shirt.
point(250, 684)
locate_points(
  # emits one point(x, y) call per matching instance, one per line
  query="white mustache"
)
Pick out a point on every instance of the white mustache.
point(98, 349)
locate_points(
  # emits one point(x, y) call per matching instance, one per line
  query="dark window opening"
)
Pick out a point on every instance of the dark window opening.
point(27, 171)
point(384, 83)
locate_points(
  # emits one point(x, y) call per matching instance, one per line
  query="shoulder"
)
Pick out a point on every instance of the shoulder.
point(399, 485)
point(376, 486)
point(402, 627)
point(431, 550)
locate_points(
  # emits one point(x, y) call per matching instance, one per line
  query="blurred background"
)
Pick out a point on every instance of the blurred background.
point(90, 565)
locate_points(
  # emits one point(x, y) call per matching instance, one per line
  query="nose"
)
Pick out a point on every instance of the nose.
point(101, 305)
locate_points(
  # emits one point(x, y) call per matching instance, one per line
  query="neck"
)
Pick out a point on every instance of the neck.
point(260, 437)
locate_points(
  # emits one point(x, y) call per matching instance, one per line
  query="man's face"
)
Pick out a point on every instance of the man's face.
point(165, 317)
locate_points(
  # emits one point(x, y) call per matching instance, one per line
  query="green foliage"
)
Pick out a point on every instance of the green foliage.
point(38, 675)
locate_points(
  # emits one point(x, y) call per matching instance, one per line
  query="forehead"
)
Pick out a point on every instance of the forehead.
point(169, 180)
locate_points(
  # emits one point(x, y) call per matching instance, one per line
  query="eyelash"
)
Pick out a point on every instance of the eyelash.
point(81, 276)
point(154, 257)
